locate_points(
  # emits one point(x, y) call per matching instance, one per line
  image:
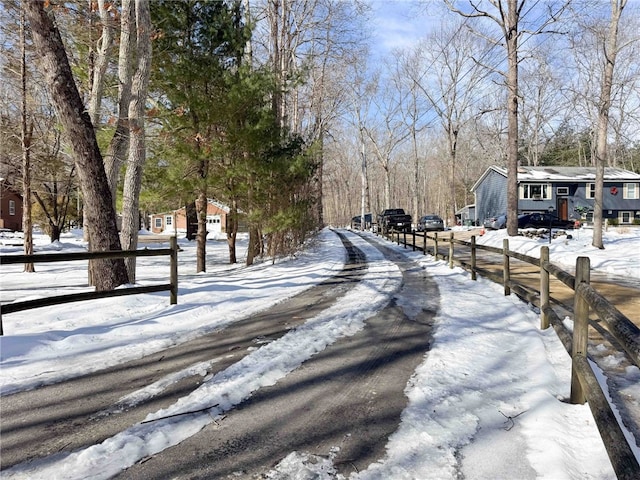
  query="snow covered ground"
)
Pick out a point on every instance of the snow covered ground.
point(476, 409)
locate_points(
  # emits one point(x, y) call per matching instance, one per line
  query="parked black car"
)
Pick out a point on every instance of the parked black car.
point(543, 220)
point(431, 223)
point(394, 219)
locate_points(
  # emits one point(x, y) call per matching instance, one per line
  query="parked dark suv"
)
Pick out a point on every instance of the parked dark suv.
point(543, 220)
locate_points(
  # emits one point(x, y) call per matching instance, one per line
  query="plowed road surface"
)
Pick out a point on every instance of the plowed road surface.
point(350, 395)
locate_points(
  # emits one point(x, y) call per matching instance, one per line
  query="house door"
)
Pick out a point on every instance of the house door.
point(563, 208)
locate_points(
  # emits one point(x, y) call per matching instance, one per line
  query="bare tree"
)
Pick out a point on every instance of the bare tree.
point(406, 72)
point(105, 12)
point(359, 98)
point(26, 134)
point(343, 176)
point(542, 105)
point(103, 231)
point(386, 131)
point(307, 43)
point(137, 154)
point(507, 15)
point(450, 79)
point(611, 49)
point(118, 147)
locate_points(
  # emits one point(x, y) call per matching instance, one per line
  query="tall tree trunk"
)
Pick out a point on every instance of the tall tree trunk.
point(201, 236)
point(101, 217)
point(364, 182)
point(386, 168)
point(317, 192)
point(232, 230)
point(98, 70)
point(54, 232)
point(117, 151)
point(274, 12)
point(137, 155)
point(254, 247)
point(511, 34)
point(610, 53)
point(101, 62)
point(26, 135)
point(419, 198)
point(453, 154)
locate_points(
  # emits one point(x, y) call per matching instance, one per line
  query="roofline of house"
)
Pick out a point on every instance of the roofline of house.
point(211, 201)
point(610, 174)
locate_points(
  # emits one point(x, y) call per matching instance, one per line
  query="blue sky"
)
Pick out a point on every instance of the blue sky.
point(397, 23)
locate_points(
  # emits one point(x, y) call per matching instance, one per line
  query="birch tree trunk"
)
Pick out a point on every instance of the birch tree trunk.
point(101, 217)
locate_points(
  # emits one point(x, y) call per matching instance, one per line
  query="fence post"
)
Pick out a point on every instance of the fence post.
point(435, 245)
point(580, 328)
point(424, 243)
point(173, 243)
point(506, 274)
point(473, 257)
point(544, 288)
point(413, 240)
point(451, 250)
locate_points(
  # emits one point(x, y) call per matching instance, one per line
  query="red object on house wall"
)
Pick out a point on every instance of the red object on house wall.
point(10, 209)
point(614, 190)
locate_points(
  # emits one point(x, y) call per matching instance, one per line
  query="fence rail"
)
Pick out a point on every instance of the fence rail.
point(584, 383)
point(172, 286)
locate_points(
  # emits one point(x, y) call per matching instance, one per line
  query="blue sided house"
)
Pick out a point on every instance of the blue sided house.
point(566, 191)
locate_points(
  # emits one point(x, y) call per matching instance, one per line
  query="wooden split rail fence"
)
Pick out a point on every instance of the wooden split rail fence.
point(172, 286)
point(584, 383)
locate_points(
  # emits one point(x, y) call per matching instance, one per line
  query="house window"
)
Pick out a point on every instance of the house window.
point(168, 220)
point(12, 207)
point(631, 191)
point(626, 217)
point(532, 191)
point(590, 190)
point(158, 222)
point(562, 191)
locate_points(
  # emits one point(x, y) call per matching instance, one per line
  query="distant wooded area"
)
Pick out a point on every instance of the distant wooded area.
point(287, 112)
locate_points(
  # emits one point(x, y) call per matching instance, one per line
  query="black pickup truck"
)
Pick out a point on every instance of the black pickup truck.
point(394, 219)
